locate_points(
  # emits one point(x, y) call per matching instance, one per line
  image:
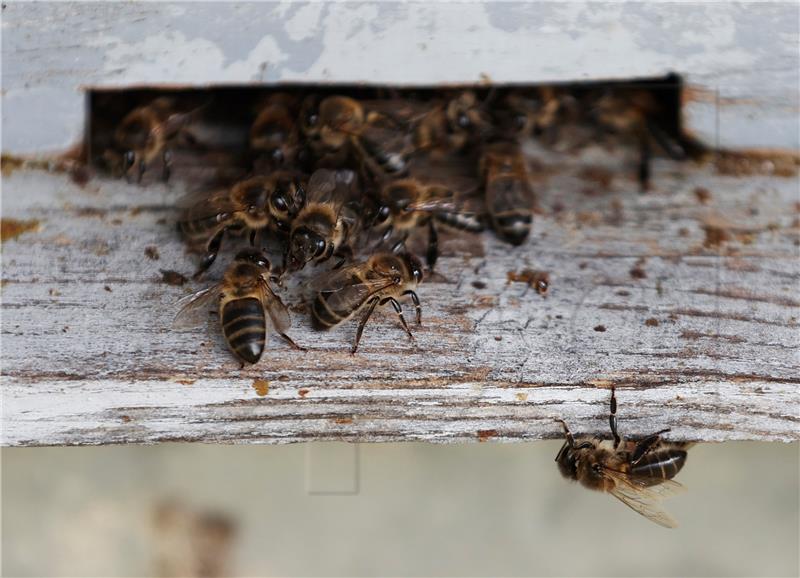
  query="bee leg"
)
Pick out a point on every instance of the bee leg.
point(400, 245)
point(344, 253)
point(644, 164)
point(141, 172)
point(291, 342)
point(417, 306)
point(612, 418)
point(567, 433)
point(570, 438)
point(433, 245)
point(643, 446)
point(387, 234)
point(363, 322)
point(166, 170)
point(253, 235)
point(211, 254)
point(399, 310)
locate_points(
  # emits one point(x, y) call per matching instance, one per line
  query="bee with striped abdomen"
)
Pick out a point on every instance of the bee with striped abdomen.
point(263, 203)
point(144, 134)
point(639, 474)
point(329, 222)
point(428, 197)
point(247, 305)
point(509, 197)
point(383, 278)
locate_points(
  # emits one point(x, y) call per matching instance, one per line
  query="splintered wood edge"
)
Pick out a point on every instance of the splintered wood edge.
point(686, 304)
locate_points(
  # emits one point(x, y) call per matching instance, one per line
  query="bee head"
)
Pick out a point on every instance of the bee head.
point(464, 113)
point(254, 256)
point(305, 245)
point(286, 201)
point(567, 460)
point(414, 267)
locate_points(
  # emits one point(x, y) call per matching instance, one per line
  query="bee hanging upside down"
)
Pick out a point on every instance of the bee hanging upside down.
point(363, 286)
point(639, 474)
point(245, 300)
point(145, 133)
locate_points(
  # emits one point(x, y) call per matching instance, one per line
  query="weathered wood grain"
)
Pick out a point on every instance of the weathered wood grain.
point(699, 336)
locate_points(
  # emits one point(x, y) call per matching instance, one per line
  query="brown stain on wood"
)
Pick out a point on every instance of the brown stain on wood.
point(13, 228)
point(261, 386)
point(778, 163)
point(651, 322)
point(695, 335)
point(486, 434)
point(151, 252)
point(702, 194)
point(717, 231)
point(746, 295)
point(173, 277)
point(637, 271)
point(302, 392)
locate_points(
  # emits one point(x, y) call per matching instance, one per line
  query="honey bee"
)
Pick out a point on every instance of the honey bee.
point(145, 133)
point(329, 222)
point(538, 113)
point(262, 203)
point(631, 116)
point(246, 305)
point(509, 198)
point(383, 278)
point(383, 147)
point(327, 124)
point(639, 474)
point(410, 203)
point(339, 128)
point(274, 134)
point(453, 125)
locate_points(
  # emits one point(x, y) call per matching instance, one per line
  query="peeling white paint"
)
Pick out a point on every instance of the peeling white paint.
point(747, 52)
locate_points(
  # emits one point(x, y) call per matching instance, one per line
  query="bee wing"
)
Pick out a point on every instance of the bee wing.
point(179, 120)
point(644, 499)
point(194, 306)
point(352, 296)
point(275, 308)
point(321, 185)
point(342, 292)
point(205, 204)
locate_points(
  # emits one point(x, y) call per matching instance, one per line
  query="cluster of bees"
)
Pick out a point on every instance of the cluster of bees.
point(345, 181)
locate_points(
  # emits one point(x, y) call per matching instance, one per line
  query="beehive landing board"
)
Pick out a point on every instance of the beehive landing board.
point(698, 302)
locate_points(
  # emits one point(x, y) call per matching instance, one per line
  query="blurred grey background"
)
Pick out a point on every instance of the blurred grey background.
point(385, 509)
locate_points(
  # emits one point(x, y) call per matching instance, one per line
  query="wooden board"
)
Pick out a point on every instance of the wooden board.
point(685, 300)
point(740, 60)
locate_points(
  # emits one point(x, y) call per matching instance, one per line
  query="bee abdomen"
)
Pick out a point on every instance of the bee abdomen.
point(513, 226)
point(660, 464)
point(461, 221)
point(244, 327)
point(200, 229)
point(323, 315)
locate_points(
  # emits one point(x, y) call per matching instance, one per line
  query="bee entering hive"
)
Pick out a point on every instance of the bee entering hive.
point(360, 179)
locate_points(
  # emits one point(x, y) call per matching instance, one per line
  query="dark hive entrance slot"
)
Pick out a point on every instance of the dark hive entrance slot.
point(209, 135)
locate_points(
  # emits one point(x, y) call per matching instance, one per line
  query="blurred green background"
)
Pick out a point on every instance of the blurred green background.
point(385, 509)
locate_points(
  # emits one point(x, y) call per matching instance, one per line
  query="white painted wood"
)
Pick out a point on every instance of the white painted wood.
point(743, 57)
point(89, 357)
